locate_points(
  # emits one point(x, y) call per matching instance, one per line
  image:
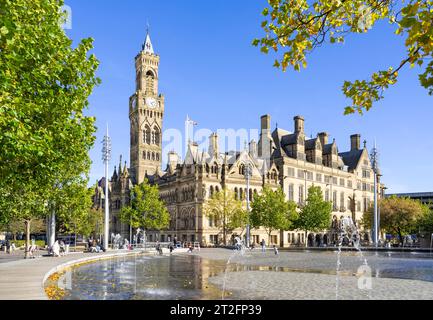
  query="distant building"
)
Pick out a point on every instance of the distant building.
point(424, 197)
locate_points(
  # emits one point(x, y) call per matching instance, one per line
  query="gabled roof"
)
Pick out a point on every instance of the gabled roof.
point(351, 158)
point(289, 139)
point(327, 148)
point(310, 144)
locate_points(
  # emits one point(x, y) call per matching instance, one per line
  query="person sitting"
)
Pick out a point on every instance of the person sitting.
point(275, 250)
point(98, 246)
point(93, 246)
point(62, 247)
point(190, 248)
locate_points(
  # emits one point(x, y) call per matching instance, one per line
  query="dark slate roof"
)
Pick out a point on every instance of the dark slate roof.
point(277, 136)
point(351, 158)
point(310, 144)
point(289, 139)
point(327, 148)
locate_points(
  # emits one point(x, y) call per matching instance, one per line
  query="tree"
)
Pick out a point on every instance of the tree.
point(271, 211)
point(297, 27)
point(425, 224)
point(226, 210)
point(316, 214)
point(73, 207)
point(399, 216)
point(17, 226)
point(44, 88)
point(93, 224)
point(146, 209)
point(240, 220)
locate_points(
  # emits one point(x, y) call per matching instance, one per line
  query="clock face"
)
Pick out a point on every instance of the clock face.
point(151, 102)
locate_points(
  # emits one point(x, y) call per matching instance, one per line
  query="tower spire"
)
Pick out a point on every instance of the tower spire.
point(120, 165)
point(147, 45)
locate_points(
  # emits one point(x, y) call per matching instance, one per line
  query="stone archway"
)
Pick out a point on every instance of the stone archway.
point(318, 240)
point(310, 240)
point(325, 240)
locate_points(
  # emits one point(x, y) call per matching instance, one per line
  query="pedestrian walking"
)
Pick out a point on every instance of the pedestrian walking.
point(263, 244)
point(275, 250)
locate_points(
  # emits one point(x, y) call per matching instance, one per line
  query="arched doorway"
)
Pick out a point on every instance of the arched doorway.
point(311, 240)
point(318, 241)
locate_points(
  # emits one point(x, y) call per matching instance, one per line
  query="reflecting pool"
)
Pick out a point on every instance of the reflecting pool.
point(143, 278)
point(186, 276)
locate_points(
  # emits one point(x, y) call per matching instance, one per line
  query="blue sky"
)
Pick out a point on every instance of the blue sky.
point(210, 71)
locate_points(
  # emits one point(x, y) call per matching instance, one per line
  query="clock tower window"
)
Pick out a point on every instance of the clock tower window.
point(147, 135)
point(150, 79)
point(156, 136)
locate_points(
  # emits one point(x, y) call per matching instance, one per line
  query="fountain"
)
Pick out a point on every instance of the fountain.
point(239, 249)
point(348, 233)
point(116, 241)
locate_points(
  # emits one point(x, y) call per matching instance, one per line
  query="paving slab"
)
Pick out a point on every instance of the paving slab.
point(24, 279)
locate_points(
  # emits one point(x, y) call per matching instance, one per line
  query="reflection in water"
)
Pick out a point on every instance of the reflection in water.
point(145, 278)
point(186, 276)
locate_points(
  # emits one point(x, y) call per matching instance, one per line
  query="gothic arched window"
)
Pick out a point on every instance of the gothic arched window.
point(242, 169)
point(157, 135)
point(150, 79)
point(147, 135)
point(138, 81)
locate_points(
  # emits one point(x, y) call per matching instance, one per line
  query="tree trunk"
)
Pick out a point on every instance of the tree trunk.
point(52, 226)
point(27, 246)
point(400, 236)
point(282, 238)
point(224, 231)
point(269, 237)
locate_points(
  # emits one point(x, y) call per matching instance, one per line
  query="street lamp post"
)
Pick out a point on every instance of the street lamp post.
point(374, 159)
point(248, 174)
point(305, 186)
point(106, 157)
point(331, 196)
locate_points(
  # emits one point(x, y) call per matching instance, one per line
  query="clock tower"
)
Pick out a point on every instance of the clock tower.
point(146, 111)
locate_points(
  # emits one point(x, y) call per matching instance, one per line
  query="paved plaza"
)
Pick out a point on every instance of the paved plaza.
point(22, 279)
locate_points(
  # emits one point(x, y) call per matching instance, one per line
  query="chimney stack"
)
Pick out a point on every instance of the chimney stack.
point(323, 137)
point(266, 122)
point(213, 145)
point(299, 124)
point(253, 149)
point(355, 142)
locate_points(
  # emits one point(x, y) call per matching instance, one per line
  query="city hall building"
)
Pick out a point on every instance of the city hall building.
point(281, 158)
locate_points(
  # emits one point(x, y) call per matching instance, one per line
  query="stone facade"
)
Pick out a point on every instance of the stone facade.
point(280, 158)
